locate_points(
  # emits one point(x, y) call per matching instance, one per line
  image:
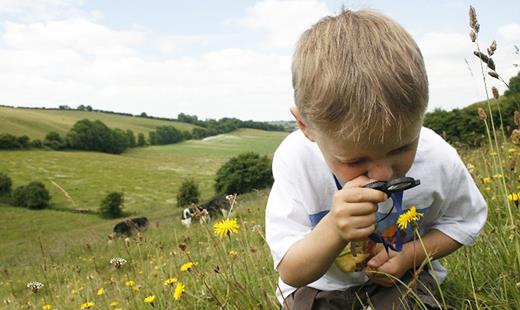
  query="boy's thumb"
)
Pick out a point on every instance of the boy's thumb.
point(378, 260)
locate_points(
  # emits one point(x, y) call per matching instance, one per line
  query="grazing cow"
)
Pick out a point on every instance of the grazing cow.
point(126, 227)
point(217, 206)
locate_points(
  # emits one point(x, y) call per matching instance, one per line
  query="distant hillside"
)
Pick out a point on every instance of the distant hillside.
point(36, 123)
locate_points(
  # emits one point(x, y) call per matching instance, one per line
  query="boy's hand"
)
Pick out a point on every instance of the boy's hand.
point(384, 269)
point(353, 212)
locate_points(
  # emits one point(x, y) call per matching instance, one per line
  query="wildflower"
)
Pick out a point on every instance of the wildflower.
point(187, 266)
point(130, 283)
point(511, 150)
point(149, 299)
point(408, 217)
point(136, 288)
point(35, 286)
point(513, 197)
point(233, 254)
point(118, 262)
point(179, 289)
point(170, 281)
point(114, 304)
point(493, 153)
point(498, 176)
point(87, 305)
point(100, 291)
point(47, 307)
point(486, 180)
point(226, 227)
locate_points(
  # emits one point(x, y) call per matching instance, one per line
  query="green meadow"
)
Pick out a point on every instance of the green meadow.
point(172, 266)
point(36, 123)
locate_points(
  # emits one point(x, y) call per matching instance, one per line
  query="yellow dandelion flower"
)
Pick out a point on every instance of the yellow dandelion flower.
point(136, 288)
point(179, 289)
point(170, 281)
point(226, 227)
point(130, 283)
point(188, 266)
point(513, 197)
point(511, 150)
point(408, 217)
point(47, 307)
point(149, 299)
point(486, 180)
point(87, 305)
point(100, 291)
point(114, 304)
point(493, 153)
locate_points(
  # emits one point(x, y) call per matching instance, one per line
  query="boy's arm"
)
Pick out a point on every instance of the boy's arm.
point(352, 217)
point(435, 243)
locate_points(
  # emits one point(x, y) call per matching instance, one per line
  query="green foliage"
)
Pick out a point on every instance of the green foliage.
point(112, 205)
point(5, 184)
point(152, 138)
point(23, 141)
point(33, 196)
point(514, 85)
point(37, 143)
point(131, 138)
point(167, 135)
point(188, 193)
point(463, 127)
point(54, 141)
point(8, 141)
point(243, 173)
point(96, 136)
point(141, 141)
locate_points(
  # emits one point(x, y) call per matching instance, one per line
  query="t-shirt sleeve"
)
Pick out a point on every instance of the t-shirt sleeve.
point(464, 210)
point(286, 218)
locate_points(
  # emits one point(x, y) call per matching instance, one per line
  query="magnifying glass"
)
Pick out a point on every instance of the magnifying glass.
point(395, 185)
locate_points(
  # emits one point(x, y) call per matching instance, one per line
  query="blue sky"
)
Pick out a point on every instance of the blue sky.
point(218, 58)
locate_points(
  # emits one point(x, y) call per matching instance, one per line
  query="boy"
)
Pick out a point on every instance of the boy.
point(361, 92)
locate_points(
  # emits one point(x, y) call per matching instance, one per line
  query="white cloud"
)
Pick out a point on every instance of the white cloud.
point(455, 83)
point(81, 62)
point(283, 21)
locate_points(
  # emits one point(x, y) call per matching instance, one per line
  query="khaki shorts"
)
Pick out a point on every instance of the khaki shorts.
point(369, 296)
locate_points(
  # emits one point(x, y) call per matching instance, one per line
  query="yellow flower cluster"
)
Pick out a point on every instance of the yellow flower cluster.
point(408, 217)
point(513, 197)
point(179, 289)
point(170, 281)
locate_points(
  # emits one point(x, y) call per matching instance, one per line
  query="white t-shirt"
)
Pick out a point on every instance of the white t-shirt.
point(304, 186)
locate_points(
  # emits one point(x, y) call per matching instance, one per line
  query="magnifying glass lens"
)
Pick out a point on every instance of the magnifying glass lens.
point(399, 186)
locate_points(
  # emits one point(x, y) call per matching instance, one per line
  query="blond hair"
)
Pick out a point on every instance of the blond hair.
point(359, 74)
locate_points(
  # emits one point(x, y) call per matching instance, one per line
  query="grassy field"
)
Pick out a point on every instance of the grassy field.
point(70, 253)
point(36, 123)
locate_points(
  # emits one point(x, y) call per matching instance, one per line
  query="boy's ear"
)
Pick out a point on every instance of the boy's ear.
point(301, 124)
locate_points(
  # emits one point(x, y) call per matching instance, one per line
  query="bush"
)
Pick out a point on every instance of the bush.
point(96, 136)
point(54, 141)
point(32, 196)
point(244, 173)
point(141, 141)
point(5, 184)
point(37, 143)
point(188, 193)
point(112, 205)
point(8, 141)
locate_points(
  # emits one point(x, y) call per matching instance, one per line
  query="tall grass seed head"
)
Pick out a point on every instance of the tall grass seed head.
point(495, 93)
point(473, 22)
point(482, 114)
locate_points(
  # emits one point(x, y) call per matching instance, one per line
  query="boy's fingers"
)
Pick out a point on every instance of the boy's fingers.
point(360, 195)
point(378, 260)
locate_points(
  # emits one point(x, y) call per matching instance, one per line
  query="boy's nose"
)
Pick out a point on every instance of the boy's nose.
point(380, 171)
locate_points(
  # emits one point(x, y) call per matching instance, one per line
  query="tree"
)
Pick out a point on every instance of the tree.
point(131, 138)
point(244, 173)
point(96, 136)
point(32, 196)
point(5, 184)
point(514, 85)
point(188, 193)
point(141, 141)
point(112, 205)
point(54, 141)
point(143, 114)
point(8, 141)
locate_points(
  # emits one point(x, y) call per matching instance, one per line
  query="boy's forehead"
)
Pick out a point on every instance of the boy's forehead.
point(351, 148)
